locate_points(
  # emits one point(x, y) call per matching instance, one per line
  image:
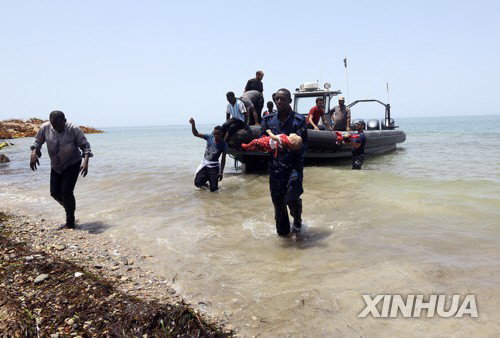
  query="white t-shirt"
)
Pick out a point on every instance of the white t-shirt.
point(236, 110)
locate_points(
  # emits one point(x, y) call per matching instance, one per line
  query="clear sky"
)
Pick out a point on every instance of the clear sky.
point(130, 63)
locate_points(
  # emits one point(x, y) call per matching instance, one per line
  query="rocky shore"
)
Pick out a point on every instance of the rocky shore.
point(78, 283)
point(16, 128)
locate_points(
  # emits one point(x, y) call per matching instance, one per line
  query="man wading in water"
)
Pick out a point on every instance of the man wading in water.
point(63, 140)
point(286, 169)
point(209, 170)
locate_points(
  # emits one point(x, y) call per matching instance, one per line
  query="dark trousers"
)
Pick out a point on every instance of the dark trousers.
point(286, 191)
point(62, 186)
point(357, 162)
point(232, 126)
point(210, 175)
point(251, 118)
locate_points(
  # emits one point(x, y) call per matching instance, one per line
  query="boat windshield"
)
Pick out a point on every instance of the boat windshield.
point(304, 104)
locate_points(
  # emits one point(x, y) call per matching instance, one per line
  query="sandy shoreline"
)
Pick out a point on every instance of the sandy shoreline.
point(85, 246)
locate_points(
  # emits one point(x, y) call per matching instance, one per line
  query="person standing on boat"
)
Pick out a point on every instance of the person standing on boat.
point(209, 169)
point(341, 116)
point(315, 113)
point(64, 142)
point(256, 83)
point(254, 102)
point(236, 117)
point(358, 146)
point(286, 170)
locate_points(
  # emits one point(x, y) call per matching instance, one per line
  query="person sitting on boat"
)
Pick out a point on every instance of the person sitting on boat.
point(270, 109)
point(254, 102)
point(209, 169)
point(341, 116)
point(315, 113)
point(286, 171)
point(236, 116)
point(272, 142)
point(358, 146)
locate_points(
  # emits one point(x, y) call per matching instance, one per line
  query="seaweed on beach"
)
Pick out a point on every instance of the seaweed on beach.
point(82, 304)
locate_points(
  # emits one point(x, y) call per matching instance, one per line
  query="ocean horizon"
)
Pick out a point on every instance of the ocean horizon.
point(204, 123)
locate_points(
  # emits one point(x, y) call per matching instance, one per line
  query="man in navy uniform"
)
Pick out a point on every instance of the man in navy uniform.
point(358, 146)
point(286, 171)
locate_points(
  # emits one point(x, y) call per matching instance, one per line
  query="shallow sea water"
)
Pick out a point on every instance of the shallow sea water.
point(423, 219)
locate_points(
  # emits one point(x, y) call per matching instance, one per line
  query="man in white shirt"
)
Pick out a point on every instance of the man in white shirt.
point(236, 116)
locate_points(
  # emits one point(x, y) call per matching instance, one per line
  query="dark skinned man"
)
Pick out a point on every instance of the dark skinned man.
point(236, 117)
point(209, 170)
point(286, 169)
point(64, 142)
point(358, 146)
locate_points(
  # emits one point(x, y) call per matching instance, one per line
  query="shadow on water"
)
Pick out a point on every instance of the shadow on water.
point(94, 228)
point(310, 238)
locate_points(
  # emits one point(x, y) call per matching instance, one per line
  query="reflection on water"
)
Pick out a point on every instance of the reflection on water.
point(420, 220)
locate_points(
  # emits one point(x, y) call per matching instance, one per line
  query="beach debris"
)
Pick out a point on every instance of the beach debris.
point(60, 247)
point(78, 274)
point(41, 278)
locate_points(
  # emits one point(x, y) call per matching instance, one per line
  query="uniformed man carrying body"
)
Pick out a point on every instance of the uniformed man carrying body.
point(286, 169)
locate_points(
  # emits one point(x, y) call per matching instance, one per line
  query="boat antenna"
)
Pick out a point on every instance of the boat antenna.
point(387, 86)
point(321, 71)
point(347, 77)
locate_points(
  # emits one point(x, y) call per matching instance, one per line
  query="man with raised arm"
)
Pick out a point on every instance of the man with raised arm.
point(209, 170)
point(286, 169)
point(64, 142)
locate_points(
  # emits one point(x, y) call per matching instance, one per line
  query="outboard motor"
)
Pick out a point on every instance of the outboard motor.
point(372, 125)
point(389, 126)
